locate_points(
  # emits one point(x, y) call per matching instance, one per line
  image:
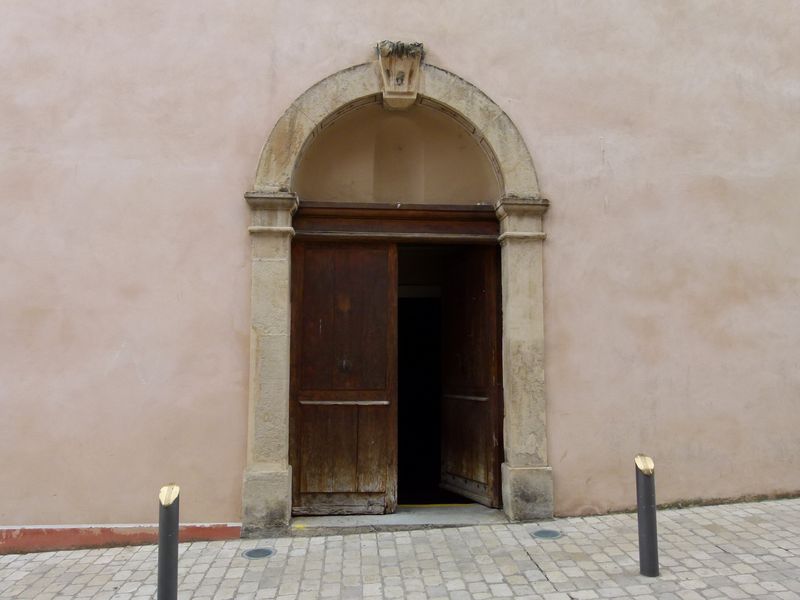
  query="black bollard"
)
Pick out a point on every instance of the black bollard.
point(168, 542)
point(646, 509)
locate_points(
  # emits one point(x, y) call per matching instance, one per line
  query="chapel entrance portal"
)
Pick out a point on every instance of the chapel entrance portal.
point(327, 420)
point(395, 377)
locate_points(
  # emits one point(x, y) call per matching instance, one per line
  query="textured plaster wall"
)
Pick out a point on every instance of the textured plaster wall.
point(665, 135)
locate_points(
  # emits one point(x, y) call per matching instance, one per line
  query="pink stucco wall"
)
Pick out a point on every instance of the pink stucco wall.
point(666, 135)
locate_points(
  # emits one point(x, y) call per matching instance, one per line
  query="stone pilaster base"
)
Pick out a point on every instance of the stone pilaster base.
point(527, 492)
point(266, 500)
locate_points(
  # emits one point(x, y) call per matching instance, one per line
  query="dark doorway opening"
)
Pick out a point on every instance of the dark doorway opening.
point(419, 325)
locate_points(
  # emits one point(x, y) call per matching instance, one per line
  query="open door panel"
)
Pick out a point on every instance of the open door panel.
point(471, 377)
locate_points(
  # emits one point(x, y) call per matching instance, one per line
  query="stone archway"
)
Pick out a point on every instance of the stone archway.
point(527, 487)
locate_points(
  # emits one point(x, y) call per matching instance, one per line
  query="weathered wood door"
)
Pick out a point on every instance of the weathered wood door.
point(471, 377)
point(344, 361)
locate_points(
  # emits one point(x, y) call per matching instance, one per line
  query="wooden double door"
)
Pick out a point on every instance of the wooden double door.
point(343, 443)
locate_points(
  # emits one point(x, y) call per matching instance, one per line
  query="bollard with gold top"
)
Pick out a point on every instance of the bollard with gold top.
point(168, 499)
point(646, 510)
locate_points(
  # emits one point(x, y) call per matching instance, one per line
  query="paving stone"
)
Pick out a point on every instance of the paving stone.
point(715, 552)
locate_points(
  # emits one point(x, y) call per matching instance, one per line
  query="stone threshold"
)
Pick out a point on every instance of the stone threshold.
point(407, 517)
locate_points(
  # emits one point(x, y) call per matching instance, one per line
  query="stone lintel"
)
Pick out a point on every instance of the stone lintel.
point(527, 492)
point(266, 500)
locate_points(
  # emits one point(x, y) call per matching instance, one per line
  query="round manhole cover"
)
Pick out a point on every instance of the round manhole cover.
point(546, 534)
point(258, 553)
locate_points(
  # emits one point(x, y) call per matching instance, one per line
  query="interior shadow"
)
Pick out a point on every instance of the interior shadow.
point(419, 379)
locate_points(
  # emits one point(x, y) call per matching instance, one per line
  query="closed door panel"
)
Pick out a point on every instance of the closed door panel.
point(323, 428)
point(361, 318)
point(343, 378)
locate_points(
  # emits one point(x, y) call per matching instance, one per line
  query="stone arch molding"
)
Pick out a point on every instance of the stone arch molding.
point(360, 85)
point(527, 487)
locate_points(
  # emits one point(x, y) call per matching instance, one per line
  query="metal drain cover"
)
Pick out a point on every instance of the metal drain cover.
point(258, 553)
point(546, 534)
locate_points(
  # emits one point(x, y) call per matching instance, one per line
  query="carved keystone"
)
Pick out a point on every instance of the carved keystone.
point(400, 67)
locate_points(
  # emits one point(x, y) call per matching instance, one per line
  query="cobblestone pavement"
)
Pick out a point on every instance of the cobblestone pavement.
point(733, 551)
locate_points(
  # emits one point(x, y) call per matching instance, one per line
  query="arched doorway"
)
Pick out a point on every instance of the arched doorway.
point(511, 219)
